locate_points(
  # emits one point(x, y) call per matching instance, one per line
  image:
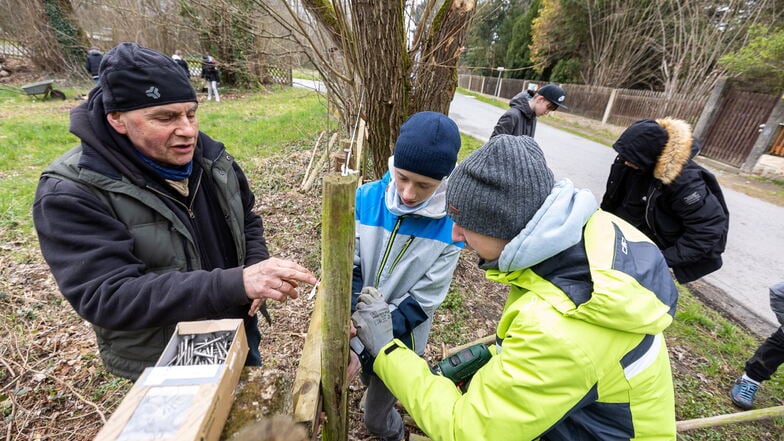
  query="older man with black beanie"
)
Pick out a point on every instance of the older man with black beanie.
point(149, 222)
point(579, 352)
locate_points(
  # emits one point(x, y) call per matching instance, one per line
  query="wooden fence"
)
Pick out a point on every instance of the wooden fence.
point(734, 131)
point(617, 106)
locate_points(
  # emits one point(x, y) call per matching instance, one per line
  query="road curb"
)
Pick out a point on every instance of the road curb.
point(739, 314)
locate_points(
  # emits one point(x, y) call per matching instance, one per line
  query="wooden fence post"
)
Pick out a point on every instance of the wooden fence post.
point(305, 396)
point(337, 256)
point(711, 109)
point(608, 109)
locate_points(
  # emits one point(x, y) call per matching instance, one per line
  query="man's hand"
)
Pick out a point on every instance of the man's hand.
point(372, 320)
point(274, 278)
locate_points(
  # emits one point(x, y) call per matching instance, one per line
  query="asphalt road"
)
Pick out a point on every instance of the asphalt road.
point(753, 260)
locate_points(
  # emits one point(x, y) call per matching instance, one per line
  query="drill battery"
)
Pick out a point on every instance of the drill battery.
point(462, 366)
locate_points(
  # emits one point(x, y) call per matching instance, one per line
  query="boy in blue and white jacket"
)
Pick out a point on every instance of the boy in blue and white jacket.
point(404, 246)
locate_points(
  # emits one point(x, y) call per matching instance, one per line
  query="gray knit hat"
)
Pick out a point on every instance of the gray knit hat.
point(499, 187)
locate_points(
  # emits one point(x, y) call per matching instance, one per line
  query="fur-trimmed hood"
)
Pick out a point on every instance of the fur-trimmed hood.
point(664, 146)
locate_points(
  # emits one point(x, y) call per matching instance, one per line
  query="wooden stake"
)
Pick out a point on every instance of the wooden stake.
point(486, 340)
point(730, 418)
point(337, 257)
point(312, 157)
point(358, 159)
point(307, 381)
point(320, 164)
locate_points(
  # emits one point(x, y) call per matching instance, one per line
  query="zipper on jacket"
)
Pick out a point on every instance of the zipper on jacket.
point(189, 207)
point(400, 255)
point(388, 249)
point(650, 223)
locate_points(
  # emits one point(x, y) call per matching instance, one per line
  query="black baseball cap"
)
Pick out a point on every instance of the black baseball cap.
point(554, 94)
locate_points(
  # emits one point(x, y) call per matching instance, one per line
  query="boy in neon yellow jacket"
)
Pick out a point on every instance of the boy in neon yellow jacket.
point(580, 354)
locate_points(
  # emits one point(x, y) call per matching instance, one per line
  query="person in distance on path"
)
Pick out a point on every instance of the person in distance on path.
point(526, 106)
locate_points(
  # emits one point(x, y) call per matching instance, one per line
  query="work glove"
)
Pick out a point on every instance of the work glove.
point(372, 320)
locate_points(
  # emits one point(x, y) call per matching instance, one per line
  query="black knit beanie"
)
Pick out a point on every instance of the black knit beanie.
point(427, 145)
point(499, 187)
point(134, 77)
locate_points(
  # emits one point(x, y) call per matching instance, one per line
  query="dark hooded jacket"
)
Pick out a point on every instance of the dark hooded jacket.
point(670, 198)
point(519, 119)
point(209, 70)
point(133, 256)
point(93, 62)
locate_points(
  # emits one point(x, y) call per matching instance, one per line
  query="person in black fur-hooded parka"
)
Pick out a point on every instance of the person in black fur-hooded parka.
point(655, 185)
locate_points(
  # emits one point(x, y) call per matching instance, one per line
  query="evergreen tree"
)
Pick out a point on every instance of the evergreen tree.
point(518, 52)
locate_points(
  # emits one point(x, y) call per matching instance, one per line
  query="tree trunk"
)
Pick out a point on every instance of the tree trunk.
point(361, 49)
point(435, 75)
point(382, 67)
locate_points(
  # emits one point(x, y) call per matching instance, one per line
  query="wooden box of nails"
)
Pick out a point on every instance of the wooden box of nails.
point(187, 395)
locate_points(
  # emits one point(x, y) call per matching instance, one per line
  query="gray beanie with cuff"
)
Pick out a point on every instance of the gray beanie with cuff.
point(499, 187)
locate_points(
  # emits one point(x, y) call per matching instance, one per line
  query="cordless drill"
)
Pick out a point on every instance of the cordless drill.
point(461, 367)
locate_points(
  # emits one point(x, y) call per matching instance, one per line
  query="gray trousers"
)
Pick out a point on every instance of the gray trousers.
point(381, 417)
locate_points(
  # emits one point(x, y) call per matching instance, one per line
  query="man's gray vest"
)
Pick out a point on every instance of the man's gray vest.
point(161, 241)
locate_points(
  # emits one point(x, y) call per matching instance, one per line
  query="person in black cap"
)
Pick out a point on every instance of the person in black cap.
point(655, 185)
point(579, 351)
point(149, 222)
point(524, 107)
point(404, 250)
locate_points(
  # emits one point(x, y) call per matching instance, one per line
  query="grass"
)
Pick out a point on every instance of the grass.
point(263, 129)
point(708, 352)
point(261, 125)
point(33, 133)
point(452, 333)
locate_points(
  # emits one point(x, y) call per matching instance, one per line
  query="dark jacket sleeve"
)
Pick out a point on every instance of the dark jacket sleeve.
point(505, 124)
point(255, 243)
point(613, 192)
point(91, 257)
point(703, 221)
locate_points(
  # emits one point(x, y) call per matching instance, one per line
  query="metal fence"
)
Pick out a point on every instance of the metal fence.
point(9, 49)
